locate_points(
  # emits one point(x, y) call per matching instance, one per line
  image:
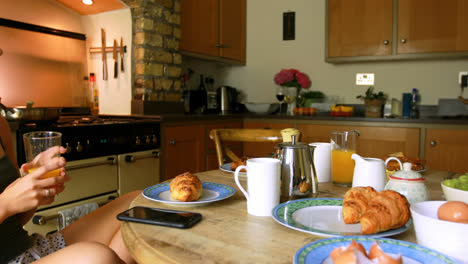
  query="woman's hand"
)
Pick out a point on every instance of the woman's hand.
point(29, 192)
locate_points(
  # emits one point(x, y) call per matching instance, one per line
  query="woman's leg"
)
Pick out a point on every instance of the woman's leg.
point(83, 252)
point(102, 226)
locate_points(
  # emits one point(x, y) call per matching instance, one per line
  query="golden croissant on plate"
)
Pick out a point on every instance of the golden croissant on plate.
point(186, 187)
point(376, 212)
point(387, 210)
point(355, 203)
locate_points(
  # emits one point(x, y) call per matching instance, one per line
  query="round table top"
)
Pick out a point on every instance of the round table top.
point(228, 233)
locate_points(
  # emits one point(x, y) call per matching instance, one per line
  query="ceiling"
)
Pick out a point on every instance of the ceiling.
point(97, 7)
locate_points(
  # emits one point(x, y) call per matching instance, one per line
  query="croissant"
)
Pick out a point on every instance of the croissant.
point(355, 203)
point(241, 161)
point(186, 187)
point(387, 210)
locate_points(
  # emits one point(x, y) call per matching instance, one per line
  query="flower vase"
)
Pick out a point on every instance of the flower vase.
point(290, 99)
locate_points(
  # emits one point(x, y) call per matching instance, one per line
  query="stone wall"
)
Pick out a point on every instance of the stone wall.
point(157, 63)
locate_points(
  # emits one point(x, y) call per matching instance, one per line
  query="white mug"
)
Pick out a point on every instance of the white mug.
point(263, 185)
point(322, 161)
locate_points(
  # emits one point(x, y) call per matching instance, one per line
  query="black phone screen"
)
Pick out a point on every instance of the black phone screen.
point(156, 216)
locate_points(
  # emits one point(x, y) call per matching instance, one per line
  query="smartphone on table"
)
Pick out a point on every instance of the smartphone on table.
point(158, 216)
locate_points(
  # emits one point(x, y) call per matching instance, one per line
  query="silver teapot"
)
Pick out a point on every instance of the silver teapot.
point(298, 177)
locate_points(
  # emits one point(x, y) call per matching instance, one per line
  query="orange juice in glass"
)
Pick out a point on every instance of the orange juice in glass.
point(39, 141)
point(343, 146)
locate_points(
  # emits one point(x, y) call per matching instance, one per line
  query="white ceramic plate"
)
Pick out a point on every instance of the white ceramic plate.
point(227, 168)
point(319, 251)
point(211, 192)
point(322, 217)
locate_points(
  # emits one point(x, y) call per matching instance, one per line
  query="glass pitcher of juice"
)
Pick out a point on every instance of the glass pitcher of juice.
point(343, 145)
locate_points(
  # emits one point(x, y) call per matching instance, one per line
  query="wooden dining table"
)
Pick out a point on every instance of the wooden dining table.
point(228, 234)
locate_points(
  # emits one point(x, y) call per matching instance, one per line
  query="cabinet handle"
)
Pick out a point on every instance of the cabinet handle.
point(433, 143)
point(218, 45)
point(386, 42)
point(172, 142)
point(403, 40)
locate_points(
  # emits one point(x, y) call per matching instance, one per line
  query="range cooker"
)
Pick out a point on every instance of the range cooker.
point(106, 155)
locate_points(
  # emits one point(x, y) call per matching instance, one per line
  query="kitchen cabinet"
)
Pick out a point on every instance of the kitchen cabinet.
point(211, 156)
point(360, 28)
point(184, 149)
point(263, 149)
point(446, 149)
point(214, 28)
point(374, 142)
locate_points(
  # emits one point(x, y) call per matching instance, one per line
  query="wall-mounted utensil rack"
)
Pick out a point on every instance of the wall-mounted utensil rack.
point(41, 29)
point(107, 49)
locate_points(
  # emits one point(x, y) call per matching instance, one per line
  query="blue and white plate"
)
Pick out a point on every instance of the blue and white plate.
point(318, 252)
point(211, 192)
point(227, 168)
point(322, 217)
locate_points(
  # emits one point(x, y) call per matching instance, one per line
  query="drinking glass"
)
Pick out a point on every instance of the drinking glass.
point(280, 97)
point(343, 145)
point(40, 141)
point(290, 99)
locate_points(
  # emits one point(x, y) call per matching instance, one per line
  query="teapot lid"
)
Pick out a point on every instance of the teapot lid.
point(294, 144)
point(407, 174)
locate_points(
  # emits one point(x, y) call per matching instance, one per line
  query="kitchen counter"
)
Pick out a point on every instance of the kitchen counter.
point(319, 117)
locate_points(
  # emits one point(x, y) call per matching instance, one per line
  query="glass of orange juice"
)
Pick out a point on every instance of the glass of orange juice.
point(39, 141)
point(343, 145)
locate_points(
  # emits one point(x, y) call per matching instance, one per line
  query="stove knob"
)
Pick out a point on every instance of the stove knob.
point(79, 147)
point(155, 139)
point(137, 141)
point(68, 149)
point(148, 140)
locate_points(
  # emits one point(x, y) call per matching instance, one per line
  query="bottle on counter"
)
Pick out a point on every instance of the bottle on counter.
point(203, 94)
point(95, 94)
point(414, 111)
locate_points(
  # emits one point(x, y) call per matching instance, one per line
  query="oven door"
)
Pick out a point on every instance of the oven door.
point(46, 221)
point(138, 170)
point(89, 178)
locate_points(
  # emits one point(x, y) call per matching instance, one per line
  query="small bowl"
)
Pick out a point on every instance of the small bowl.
point(452, 194)
point(446, 237)
point(261, 108)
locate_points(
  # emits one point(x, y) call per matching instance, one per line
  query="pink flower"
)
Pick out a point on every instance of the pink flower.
point(292, 77)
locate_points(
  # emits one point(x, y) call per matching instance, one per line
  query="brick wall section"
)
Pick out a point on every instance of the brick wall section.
point(156, 58)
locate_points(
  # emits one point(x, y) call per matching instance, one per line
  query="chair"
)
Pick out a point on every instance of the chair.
point(240, 135)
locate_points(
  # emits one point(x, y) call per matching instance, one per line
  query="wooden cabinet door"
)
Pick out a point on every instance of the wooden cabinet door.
point(184, 150)
point(262, 149)
point(432, 26)
point(199, 24)
point(360, 27)
point(374, 142)
point(446, 149)
point(232, 29)
point(211, 156)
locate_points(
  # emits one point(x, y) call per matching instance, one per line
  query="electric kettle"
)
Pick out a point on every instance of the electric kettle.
point(298, 177)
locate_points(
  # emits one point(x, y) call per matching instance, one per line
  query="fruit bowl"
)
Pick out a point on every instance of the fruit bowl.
point(454, 190)
point(261, 108)
point(443, 236)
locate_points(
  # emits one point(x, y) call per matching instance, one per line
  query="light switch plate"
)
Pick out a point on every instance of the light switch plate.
point(365, 78)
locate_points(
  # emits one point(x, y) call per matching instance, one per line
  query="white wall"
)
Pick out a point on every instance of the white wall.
point(114, 94)
point(267, 54)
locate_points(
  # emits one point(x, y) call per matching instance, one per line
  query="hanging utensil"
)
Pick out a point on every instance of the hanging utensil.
point(121, 55)
point(114, 56)
point(103, 50)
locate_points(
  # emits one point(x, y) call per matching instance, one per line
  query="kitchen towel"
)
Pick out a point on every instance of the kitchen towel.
point(70, 215)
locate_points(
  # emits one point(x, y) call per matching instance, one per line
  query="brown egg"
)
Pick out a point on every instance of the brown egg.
point(376, 252)
point(454, 211)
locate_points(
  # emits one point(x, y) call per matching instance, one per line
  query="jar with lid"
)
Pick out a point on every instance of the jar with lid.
point(409, 183)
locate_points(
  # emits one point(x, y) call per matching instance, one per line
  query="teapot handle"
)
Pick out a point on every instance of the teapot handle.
point(393, 158)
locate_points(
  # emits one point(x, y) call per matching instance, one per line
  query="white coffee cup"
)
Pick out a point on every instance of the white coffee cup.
point(263, 185)
point(322, 160)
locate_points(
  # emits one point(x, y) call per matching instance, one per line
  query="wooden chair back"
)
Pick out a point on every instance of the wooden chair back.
point(240, 135)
